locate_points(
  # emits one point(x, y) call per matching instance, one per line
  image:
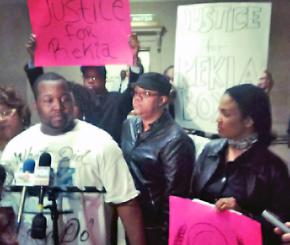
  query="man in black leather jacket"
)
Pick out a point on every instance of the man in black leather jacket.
point(159, 153)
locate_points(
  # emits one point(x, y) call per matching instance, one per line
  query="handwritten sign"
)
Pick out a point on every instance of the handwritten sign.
point(193, 223)
point(77, 32)
point(218, 45)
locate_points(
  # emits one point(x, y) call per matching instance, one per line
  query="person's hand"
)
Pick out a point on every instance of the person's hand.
point(134, 45)
point(286, 236)
point(266, 81)
point(30, 46)
point(226, 203)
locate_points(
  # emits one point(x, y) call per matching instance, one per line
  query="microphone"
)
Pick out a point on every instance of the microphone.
point(42, 171)
point(42, 177)
point(28, 169)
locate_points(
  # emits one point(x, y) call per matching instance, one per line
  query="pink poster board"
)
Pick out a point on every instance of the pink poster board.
point(195, 223)
point(78, 32)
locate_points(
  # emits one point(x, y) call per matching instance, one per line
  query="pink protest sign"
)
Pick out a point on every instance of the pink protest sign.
point(78, 32)
point(195, 223)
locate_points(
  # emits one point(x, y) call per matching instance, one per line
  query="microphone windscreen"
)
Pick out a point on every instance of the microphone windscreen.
point(45, 160)
point(38, 227)
point(28, 165)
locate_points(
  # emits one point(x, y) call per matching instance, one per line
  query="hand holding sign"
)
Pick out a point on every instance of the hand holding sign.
point(196, 222)
point(92, 32)
point(30, 46)
point(227, 203)
point(134, 45)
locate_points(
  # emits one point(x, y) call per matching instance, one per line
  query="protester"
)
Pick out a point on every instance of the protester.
point(169, 72)
point(266, 82)
point(238, 171)
point(83, 108)
point(110, 108)
point(123, 81)
point(82, 155)
point(14, 115)
point(159, 153)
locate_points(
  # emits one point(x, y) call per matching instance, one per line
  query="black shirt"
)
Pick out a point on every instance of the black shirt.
point(227, 180)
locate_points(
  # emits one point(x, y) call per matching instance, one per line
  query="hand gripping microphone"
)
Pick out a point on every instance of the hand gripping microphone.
point(39, 224)
point(28, 169)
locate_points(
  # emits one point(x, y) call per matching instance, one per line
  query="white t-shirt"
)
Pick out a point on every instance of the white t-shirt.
point(85, 156)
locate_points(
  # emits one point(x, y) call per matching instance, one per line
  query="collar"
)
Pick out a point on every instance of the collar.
point(245, 143)
point(165, 116)
point(219, 148)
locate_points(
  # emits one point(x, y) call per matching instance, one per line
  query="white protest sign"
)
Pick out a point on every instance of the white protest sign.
point(218, 45)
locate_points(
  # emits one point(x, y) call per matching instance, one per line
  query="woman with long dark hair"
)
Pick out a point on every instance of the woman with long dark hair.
point(238, 171)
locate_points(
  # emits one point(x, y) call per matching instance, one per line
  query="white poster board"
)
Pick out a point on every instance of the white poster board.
point(218, 45)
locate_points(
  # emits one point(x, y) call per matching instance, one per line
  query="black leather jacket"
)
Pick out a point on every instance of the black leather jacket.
point(160, 161)
point(267, 184)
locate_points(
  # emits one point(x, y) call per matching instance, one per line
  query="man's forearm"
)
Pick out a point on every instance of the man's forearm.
point(131, 216)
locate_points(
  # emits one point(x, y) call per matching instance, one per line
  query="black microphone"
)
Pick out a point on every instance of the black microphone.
point(39, 223)
point(28, 167)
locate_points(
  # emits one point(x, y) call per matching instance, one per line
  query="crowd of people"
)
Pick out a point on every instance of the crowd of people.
point(139, 159)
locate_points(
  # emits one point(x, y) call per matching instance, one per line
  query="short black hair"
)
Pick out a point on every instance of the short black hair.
point(101, 70)
point(46, 77)
point(154, 81)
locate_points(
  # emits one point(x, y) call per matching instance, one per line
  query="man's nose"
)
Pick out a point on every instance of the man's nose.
point(57, 104)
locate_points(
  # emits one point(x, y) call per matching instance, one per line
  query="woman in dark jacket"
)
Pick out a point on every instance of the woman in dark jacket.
point(238, 171)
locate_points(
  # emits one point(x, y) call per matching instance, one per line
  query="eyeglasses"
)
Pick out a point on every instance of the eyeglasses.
point(6, 114)
point(144, 94)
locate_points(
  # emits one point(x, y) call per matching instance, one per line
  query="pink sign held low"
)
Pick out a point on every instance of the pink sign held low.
point(195, 222)
point(78, 32)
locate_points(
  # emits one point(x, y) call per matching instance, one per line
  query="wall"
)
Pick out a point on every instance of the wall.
point(14, 29)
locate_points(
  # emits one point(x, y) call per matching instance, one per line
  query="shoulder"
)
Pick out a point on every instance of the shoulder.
point(18, 148)
point(88, 130)
point(131, 119)
point(177, 132)
point(270, 159)
point(26, 135)
point(95, 138)
point(175, 135)
point(214, 146)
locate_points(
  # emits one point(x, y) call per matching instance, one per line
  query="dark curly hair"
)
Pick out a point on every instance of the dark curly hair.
point(10, 98)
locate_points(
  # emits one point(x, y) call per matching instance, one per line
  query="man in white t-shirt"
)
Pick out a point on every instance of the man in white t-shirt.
point(82, 155)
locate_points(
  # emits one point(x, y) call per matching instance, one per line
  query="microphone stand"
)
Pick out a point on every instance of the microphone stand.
point(54, 215)
point(52, 196)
